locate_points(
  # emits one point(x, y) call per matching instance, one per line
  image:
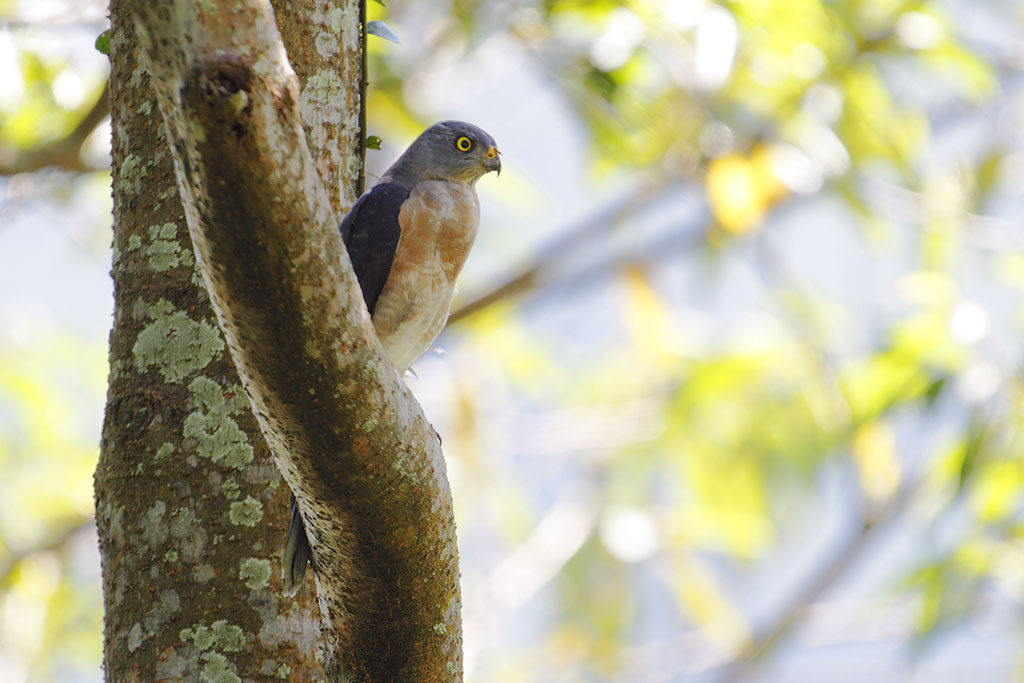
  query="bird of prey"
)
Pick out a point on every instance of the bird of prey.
point(408, 238)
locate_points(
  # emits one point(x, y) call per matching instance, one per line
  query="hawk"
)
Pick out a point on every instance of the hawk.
point(408, 238)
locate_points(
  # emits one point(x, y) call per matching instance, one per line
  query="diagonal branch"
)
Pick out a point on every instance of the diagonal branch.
point(350, 440)
point(545, 265)
point(819, 583)
point(68, 533)
point(65, 153)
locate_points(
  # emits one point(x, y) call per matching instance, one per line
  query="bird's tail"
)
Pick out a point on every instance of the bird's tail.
point(297, 553)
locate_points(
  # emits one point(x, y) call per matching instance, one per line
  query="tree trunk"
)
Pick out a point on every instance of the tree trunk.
point(191, 509)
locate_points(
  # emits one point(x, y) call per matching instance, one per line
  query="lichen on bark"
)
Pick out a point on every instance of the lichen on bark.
point(170, 552)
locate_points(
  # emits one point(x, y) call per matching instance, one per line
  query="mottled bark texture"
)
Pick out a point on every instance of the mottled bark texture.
point(324, 42)
point(190, 507)
point(349, 438)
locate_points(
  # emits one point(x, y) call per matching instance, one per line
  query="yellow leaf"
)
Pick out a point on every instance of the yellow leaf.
point(649, 320)
point(997, 489)
point(874, 451)
point(741, 190)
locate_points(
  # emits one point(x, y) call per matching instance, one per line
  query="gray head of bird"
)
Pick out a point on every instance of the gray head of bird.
point(449, 150)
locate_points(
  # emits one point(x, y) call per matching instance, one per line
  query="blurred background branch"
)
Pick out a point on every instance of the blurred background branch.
point(57, 542)
point(812, 588)
point(548, 266)
point(65, 153)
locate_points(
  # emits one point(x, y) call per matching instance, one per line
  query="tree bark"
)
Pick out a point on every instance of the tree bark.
point(350, 440)
point(190, 507)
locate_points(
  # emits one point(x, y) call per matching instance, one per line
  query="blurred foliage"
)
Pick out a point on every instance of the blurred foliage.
point(771, 108)
point(658, 469)
point(51, 100)
point(51, 79)
point(49, 389)
point(52, 379)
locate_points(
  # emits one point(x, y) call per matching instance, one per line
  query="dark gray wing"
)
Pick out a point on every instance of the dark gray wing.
point(371, 232)
point(297, 553)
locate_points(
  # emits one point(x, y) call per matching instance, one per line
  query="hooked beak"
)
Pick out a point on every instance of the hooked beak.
point(494, 159)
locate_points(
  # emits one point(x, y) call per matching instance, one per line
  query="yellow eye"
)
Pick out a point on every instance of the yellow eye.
point(464, 144)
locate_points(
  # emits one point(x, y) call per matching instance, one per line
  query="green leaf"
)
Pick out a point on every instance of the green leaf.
point(103, 42)
point(977, 434)
point(373, 142)
point(382, 30)
point(933, 391)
